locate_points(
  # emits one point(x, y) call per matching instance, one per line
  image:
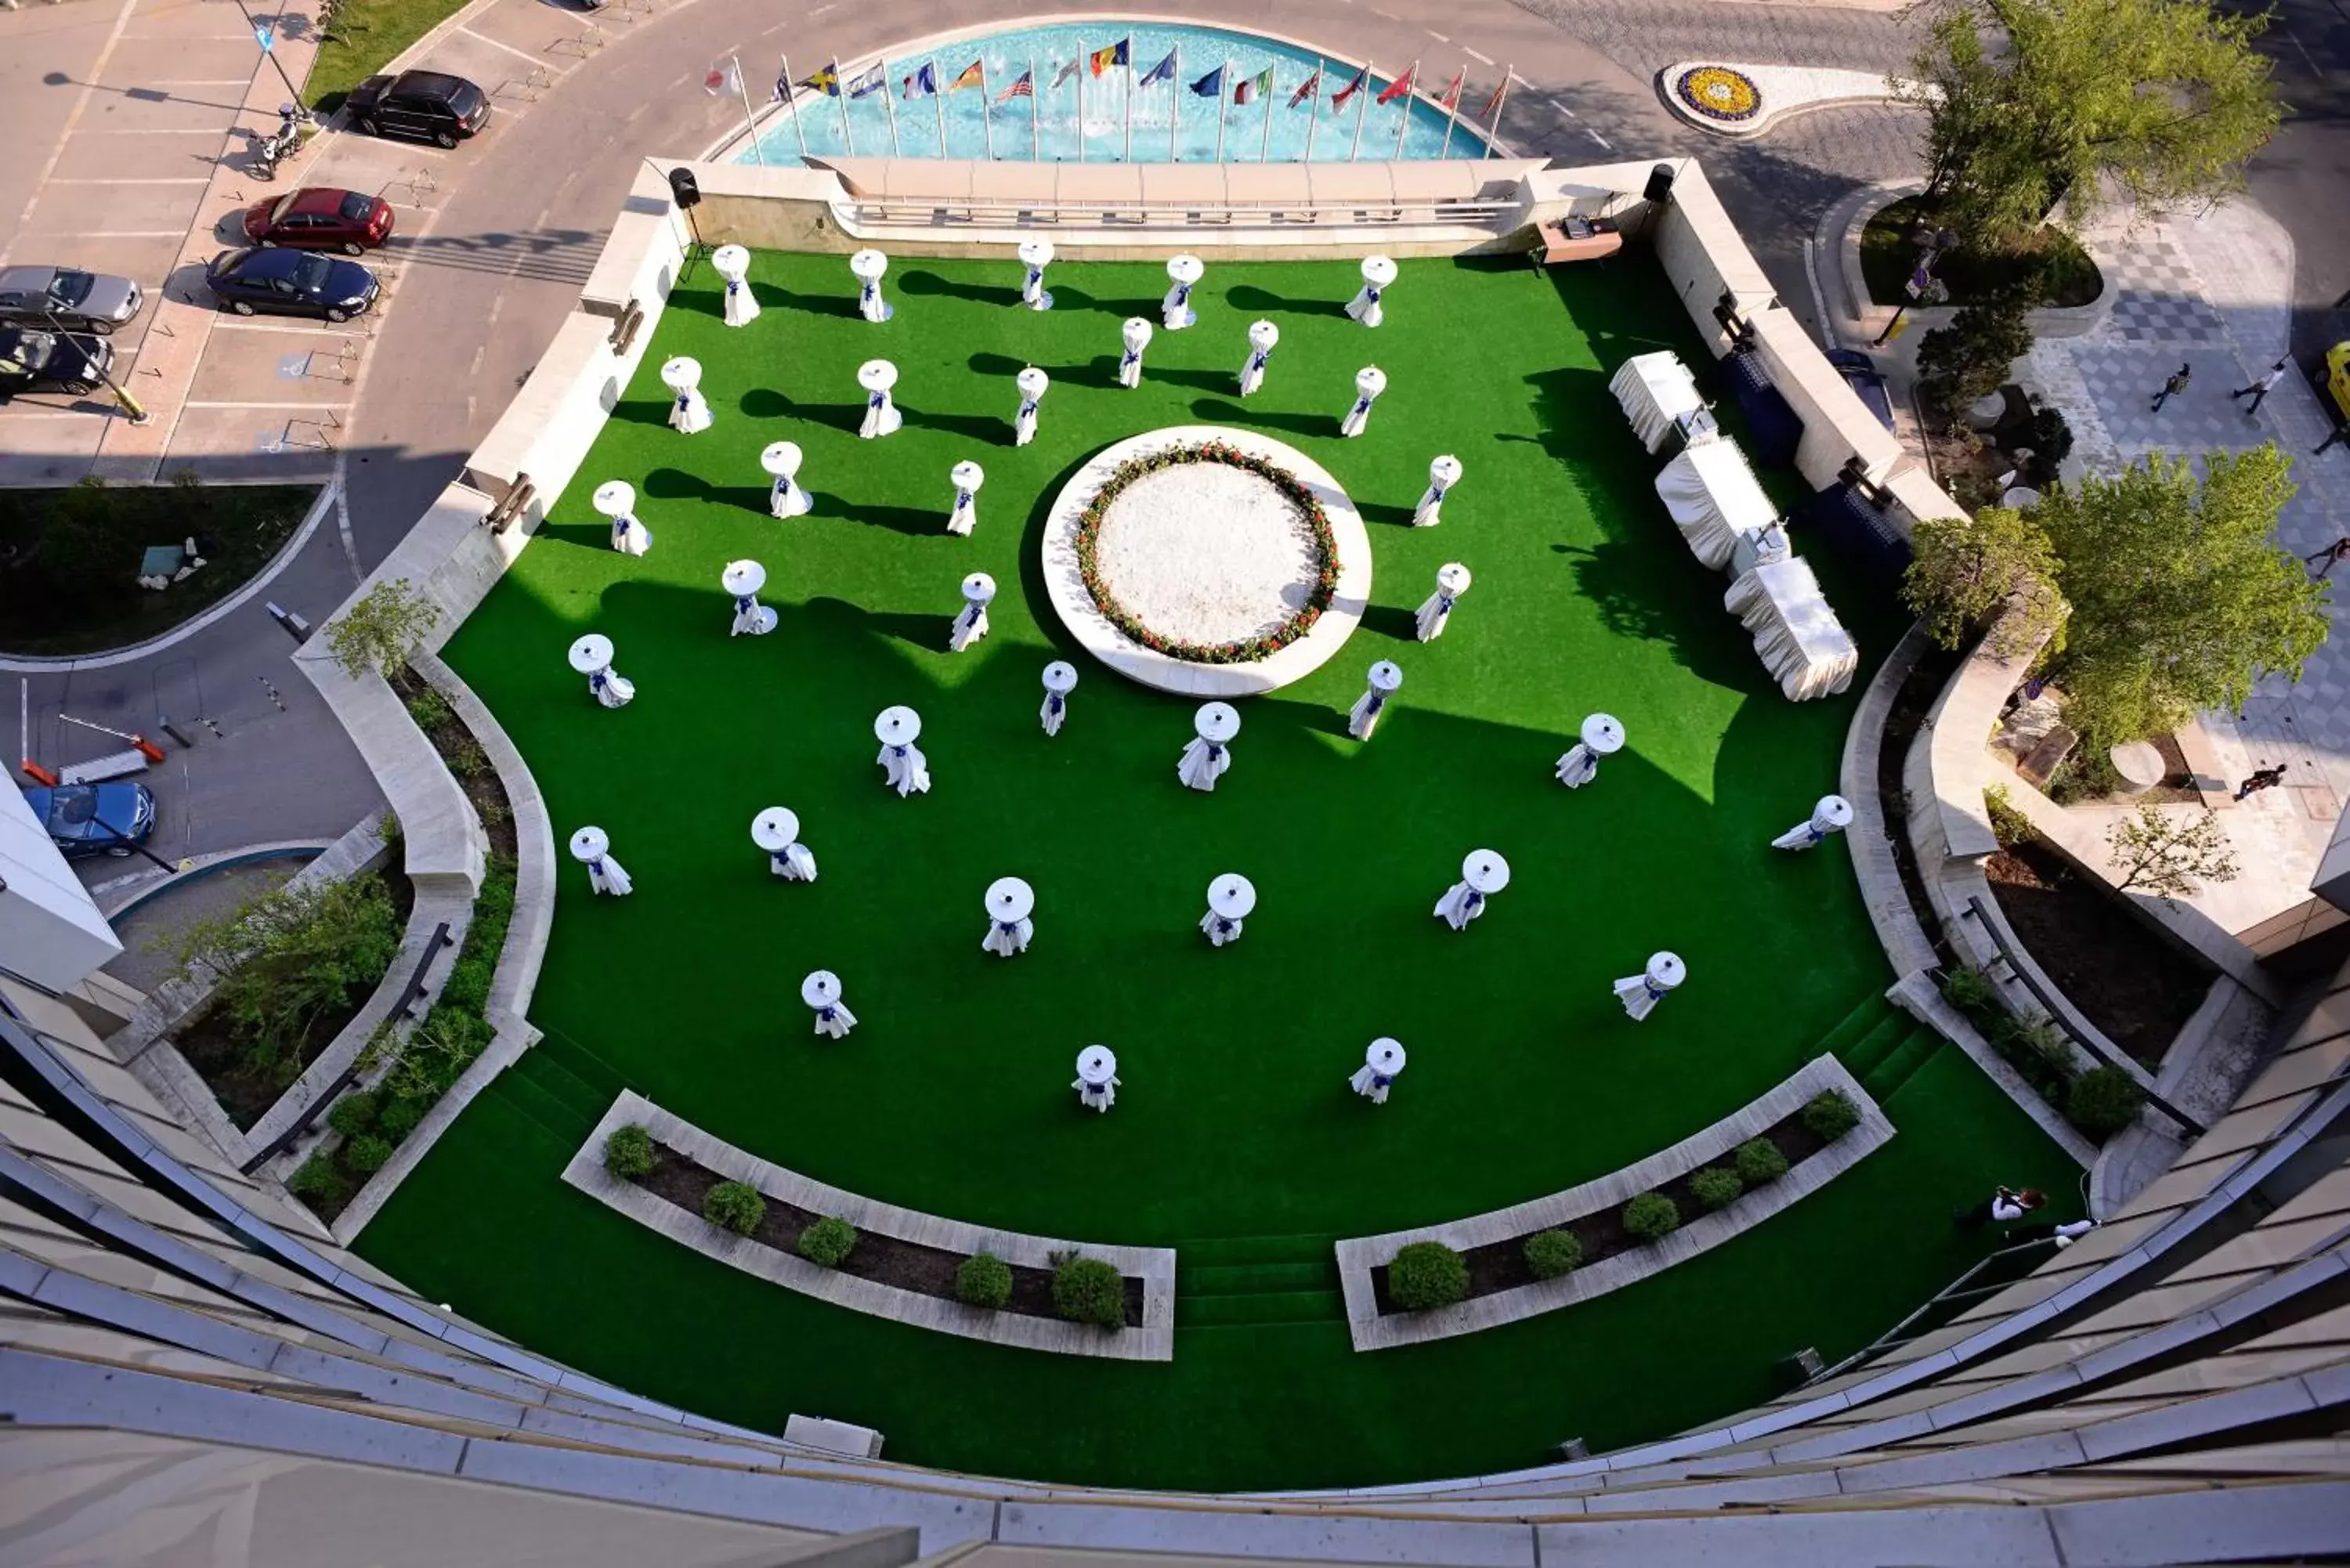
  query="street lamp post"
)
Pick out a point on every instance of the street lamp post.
point(131, 405)
point(1923, 287)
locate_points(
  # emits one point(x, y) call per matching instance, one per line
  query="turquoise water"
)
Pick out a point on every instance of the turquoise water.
point(1265, 128)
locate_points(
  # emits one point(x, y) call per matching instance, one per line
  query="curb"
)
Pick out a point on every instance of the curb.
point(2048, 321)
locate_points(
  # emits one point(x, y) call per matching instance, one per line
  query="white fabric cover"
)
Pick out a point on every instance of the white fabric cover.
point(752, 618)
point(741, 308)
point(1363, 717)
point(1638, 1000)
point(1365, 306)
point(1713, 497)
point(882, 417)
point(1796, 635)
point(1579, 767)
point(788, 500)
point(605, 876)
point(905, 768)
point(1429, 620)
point(1460, 904)
point(614, 690)
point(630, 536)
point(1253, 368)
point(838, 1024)
point(1219, 929)
point(1054, 710)
point(689, 411)
point(970, 626)
point(1004, 943)
point(964, 517)
point(1358, 415)
point(1655, 389)
point(793, 862)
point(1203, 763)
point(1366, 1082)
point(1097, 1098)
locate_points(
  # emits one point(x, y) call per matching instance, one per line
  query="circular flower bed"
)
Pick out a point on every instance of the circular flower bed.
point(1242, 650)
point(1718, 92)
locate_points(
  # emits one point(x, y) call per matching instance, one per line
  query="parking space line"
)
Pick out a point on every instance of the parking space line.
point(1482, 59)
point(509, 48)
point(160, 180)
point(237, 324)
point(291, 408)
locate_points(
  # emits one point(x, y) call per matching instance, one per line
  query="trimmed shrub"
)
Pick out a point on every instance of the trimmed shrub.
point(1716, 1187)
point(1427, 1274)
point(2103, 1101)
point(1758, 1160)
point(828, 1242)
point(1651, 1215)
point(1830, 1116)
point(984, 1280)
point(1550, 1254)
point(1088, 1290)
point(734, 1205)
point(353, 1114)
point(399, 1118)
point(628, 1153)
point(318, 1181)
point(1970, 990)
point(367, 1154)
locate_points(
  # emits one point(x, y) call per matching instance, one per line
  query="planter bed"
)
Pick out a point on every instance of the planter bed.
point(679, 1179)
point(1502, 1265)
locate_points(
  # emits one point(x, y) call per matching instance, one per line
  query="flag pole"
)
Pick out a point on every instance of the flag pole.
point(986, 120)
point(1460, 86)
point(1501, 95)
point(750, 122)
point(938, 102)
point(1265, 147)
point(840, 96)
point(1129, 105)
point(1175, 107)
point(1411, 91)
point(1082, 68)
point(1313, 109)
point(890, 106)
point(1036, 100)
point(1361, 109)
point(792, 98)
point(1224, 97)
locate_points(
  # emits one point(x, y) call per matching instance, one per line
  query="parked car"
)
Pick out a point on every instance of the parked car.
point(31, 359)
point(291, 282)
point(1861, 374)
point(68, 299)
point(2337, 378)
point(95, 819)
point(428, 105)
point(321, 218)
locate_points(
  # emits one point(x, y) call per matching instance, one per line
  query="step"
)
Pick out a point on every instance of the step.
point(560, 1083)
point(1254, 1279)
point(1866, 1015)
point(583, 1065)
point(1862, 1056)
point(529, 1100)
point(1254, 1310)
point(1886, 1079)
point(1209, 1251)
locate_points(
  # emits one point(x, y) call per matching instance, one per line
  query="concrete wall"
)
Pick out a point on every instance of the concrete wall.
point(1837, 426)
point(50, 932)
point(1701, 251)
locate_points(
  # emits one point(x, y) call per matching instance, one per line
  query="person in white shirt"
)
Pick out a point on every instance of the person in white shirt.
point(2261, 388)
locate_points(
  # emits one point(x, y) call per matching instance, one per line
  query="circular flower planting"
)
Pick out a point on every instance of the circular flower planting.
point(1718, 92)
point(1205, 552)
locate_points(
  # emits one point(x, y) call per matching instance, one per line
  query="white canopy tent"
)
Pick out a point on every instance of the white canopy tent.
point(1656, 391)
point(1796, 635)
point(1714, 497)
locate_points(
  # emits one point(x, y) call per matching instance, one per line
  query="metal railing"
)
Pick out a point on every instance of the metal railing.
point(1957, 1292)
point(933, 212)
point(2025, 977)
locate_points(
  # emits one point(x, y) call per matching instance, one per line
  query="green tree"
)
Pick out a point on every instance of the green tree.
point(2166, 98)
point(2180, 598)
point(1963, 571)
point(283, 959)
point(382, 630)
point(2170, 857)
point(1969, 360)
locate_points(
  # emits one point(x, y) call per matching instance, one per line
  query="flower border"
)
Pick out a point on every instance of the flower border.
point(1244, 650)
point(1686, 88)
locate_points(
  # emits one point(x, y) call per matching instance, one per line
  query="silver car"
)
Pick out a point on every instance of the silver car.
point(67, 298)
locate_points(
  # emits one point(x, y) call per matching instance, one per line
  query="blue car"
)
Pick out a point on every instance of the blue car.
point(95, 819)
point(296, 283)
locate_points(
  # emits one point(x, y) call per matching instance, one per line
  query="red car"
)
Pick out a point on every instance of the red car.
point(318, 218)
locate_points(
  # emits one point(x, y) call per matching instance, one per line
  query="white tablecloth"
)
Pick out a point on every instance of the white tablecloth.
point(1655, 389)
point(1713, 497)
point(1796, 635)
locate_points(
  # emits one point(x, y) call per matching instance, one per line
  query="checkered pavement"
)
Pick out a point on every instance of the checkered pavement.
point(2158, 294)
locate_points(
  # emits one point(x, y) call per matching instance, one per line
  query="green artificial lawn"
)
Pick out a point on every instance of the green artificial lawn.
point(1234, 1138)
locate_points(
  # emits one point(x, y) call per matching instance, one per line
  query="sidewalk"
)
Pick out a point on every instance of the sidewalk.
point(2212, 291)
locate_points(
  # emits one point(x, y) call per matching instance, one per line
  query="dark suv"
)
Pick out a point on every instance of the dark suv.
point(427, 105)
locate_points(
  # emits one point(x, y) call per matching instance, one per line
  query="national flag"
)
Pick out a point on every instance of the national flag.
point(782, 87)
point(1452, 99)
point(1400, 85)
point(1339, 99)
point(1493, 102)
point(1212, 84)
point(723, 76)
point(826, 81)
point(1245, 91)
point(924, 83)
point(1164, 71)
point(1311, 88)
point(973, 75)
point(872, 82)
point(1116, 55)
point(1065, 72)
point(1024, 88)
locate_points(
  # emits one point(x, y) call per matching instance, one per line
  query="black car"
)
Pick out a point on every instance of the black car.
point(427, 105)
point(32, 359)
point(1861, 374)
point(297, 282)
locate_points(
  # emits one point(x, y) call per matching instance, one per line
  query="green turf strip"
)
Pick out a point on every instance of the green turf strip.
point(1234, 1138)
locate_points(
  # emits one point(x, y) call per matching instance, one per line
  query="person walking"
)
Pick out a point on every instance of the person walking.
point(2334, 555)
point(2174, 387)
point(2261, 388)
point(2261, 779)
point(2005, 1206)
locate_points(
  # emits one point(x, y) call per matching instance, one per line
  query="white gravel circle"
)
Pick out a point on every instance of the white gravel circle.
point(1206, 553)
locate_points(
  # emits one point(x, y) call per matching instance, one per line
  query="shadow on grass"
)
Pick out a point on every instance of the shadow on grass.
point(1383, 511)
point(914, 520)
point(1078, 299)
point(976, 427)
point(766, 403)
point(780, 299)
point(1262, 302)
point(928, 633)
point(930, 283)
point(1389, 620)
point(1229, 413)
point(1226, 381)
